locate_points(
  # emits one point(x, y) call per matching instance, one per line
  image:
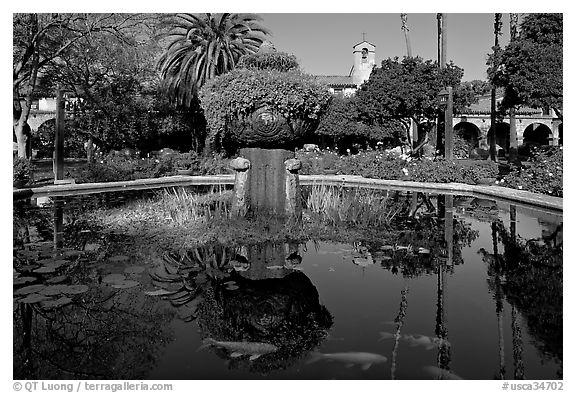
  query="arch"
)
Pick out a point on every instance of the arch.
point(538, 134)
point(502, 137)
point(469, 132)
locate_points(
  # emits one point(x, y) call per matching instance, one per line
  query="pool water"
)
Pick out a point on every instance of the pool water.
point(469, 292)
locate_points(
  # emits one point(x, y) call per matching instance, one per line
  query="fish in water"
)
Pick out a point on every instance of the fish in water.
point(440, 373)
point(363, 359)
point(417, 340)
point(241, 348)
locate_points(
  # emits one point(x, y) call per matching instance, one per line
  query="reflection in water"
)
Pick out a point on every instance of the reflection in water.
point(528, 274)
point(255, 309)
point(249, 300)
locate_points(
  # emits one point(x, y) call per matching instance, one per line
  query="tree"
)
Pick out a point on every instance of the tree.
point(408, 90)
point(342, 126)
point(531, 65)
point(203, 46)
point(42, 39)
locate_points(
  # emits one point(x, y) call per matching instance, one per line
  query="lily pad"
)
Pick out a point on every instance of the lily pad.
point(61, 301)
point(74, 289)
point(45, 269)
point(114, 278)
point(91, 247)
point(232, 287)
point(29, 289)
point(119, 258)
point(57, 279)
point(28, 268)
point(53, 290)
point(134, 269)
point(54, 260)
point(34, 298)
point(30, 254)
point(159, 292)
point(126, 284)
point(23, 280)
point(72, 253)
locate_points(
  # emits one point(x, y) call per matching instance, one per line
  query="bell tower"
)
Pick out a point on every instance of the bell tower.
point(364, 61)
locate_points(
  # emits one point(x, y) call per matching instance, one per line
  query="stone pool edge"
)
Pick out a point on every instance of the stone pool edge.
point(502, 193)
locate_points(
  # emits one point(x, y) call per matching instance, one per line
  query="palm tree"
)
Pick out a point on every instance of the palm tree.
point(206, 45)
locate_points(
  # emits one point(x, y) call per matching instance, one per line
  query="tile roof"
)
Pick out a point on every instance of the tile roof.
point(484, 104)
point(336, 80)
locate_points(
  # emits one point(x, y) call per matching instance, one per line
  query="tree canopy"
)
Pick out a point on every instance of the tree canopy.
point(530, 67)
point(203, 46)
point(408, 89)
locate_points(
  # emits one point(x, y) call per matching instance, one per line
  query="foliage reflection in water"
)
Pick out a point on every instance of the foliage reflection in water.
point(444, 287)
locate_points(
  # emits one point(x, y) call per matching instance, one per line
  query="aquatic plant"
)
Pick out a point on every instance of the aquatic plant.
point(350, 206)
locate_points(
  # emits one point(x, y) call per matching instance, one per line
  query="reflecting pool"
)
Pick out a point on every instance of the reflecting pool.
point(450, 287)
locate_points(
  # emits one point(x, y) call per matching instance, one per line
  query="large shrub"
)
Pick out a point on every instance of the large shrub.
point(21, 170)
point(298, 97)
point(542, 174)
point(383, 165)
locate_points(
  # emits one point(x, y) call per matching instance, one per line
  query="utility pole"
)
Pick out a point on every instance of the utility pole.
point(513, 150)
point(445, 96)
point(405, 29)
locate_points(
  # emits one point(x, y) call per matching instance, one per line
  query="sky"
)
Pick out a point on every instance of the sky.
point(323, 42)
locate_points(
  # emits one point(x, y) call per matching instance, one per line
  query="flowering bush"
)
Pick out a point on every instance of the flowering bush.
point(543, 174)
point(22, 170)
point(122, 168)
point(384, 165)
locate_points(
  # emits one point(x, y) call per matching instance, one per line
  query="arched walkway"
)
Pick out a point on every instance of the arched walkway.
point(469, 132)
point(537, 133)
point(502, 137)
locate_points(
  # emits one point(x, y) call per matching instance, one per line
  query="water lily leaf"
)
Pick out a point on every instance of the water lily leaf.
point(29, 289)
point(126, 284)
point(45, 269)
point(134, 269)
point(114, 278)
point(54, 260)
point(44, 244)
point(57, 279)
point(34, 298)
point(53, 290)
point(72, 253)
point(28, 268)
point(119, 258)
point(74, 289)
point(28, 254)
point(158, 292)
point(232, 287)
point(91, 247)
point(23, 280)
point(386, 247)
point(61, 301)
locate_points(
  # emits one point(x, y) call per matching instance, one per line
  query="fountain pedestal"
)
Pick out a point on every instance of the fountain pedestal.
point(267, 183)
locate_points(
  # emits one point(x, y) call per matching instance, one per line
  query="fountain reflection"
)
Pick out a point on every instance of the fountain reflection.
point(249, 294)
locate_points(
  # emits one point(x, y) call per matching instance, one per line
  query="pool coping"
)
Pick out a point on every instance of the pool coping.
point(495, 192)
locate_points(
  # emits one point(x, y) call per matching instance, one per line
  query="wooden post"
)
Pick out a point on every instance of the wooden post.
point(449, 228)
point(58, 163)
